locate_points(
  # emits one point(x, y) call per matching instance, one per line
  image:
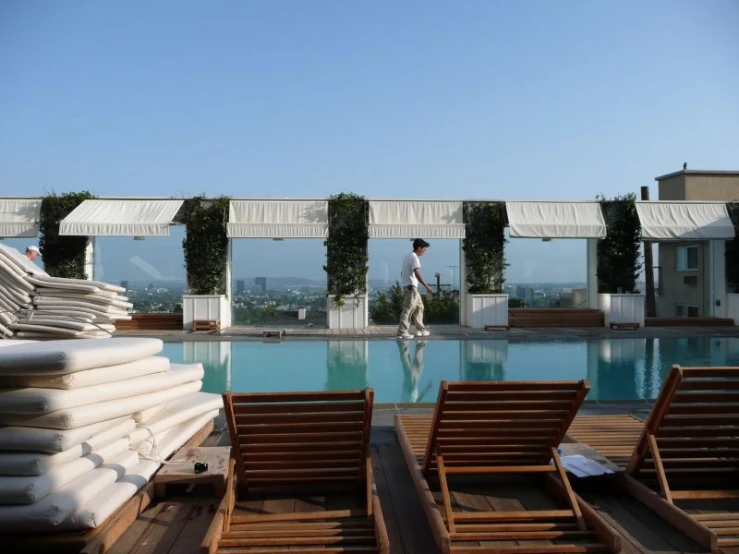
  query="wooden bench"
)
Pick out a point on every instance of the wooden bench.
point(554, 317)
point(273, 333)
point(164, 322)
point(206, 325)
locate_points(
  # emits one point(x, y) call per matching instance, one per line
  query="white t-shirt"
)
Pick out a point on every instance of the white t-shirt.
point(407, 274)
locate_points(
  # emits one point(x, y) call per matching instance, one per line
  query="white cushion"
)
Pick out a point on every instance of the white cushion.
point(96, 511)
point(88, 377)
point(64, 356)
point(27, 490)
point(51, 440)
point(15, 342)
point(45, 401)
point(50, 511)
point(176, 412)
point(80, 416)
point(38, 463)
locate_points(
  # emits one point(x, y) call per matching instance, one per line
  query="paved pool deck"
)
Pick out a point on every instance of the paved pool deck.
point(438, 332)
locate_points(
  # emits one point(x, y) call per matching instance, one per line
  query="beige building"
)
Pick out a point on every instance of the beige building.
point(692, 275)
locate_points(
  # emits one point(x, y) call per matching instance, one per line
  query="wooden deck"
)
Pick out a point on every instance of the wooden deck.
point(177, 524)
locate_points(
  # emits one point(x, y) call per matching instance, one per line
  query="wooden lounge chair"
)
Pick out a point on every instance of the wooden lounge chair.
point(685, 464)
point(300, 476)
point(492, 435)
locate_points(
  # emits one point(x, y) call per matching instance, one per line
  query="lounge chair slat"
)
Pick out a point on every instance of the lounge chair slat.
point(305, 397)
point(299, 408)
point(522, 535)
point(531, 549)
point(298, 417)
point(299, 429)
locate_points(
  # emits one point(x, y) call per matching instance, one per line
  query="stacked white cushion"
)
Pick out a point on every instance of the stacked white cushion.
point(73, 417)
point(35, 305)
point(98, 509)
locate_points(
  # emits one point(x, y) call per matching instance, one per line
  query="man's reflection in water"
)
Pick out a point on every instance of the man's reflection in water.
point(412, 370)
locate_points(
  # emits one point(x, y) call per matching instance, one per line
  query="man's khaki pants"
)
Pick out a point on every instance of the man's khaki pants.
point(412, 310)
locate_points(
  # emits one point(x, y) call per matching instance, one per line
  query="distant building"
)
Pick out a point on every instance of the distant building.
point(124, 284)
point(261, 282)
point(239, 286)
point(686, 267)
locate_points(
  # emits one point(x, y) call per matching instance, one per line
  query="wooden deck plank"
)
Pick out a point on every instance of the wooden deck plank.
point(407, 526)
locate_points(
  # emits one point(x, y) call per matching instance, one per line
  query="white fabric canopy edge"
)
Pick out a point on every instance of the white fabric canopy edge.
point(440, 219)
point(19, 217)
point(278, 219)
point(572, 220)
point(100, 217)
point(664, 221)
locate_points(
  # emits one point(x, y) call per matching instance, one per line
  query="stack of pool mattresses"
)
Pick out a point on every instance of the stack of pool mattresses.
point(84, 424)
point(35, 305)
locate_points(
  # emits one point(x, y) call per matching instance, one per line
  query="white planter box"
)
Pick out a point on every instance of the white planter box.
point(205, 306)
point(622, 308)
point(354, 314)
point(732, 307)
point(482, 310)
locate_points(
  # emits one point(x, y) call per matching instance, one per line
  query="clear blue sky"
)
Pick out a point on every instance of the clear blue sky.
point(413, 99)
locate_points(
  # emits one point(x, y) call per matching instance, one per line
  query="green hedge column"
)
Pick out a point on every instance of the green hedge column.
point(619, 260)
point(62, 256)
point(346, 247)
point(206, 244)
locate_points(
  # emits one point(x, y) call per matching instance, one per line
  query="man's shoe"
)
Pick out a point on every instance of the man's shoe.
point(424, 333)
point(405, 336)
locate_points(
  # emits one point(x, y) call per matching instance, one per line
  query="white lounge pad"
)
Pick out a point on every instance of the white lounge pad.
point(51, 440)
point(176, 412)
point(63, 356)
point(63, 285)
point(27, 490)
point(16, 342)
point(80, 416)
point(45, 401)
point(93, 513)
point(38, 463)
point(151, 449)
point(50, 511)
point(88, 377)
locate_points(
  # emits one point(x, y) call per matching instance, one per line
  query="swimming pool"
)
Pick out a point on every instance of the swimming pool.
point(410, 371)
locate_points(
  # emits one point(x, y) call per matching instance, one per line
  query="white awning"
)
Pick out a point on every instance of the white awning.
point(301, 219)
point(556, 220)
point(407, 219)
point(684, 221)
point(121, 218)
point(19, 217)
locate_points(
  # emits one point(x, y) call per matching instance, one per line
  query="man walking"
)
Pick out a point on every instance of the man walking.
point(410, 276)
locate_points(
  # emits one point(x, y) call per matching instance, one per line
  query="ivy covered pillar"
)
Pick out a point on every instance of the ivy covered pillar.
point(716, 278)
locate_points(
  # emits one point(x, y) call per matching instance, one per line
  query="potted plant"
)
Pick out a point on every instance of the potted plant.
point(63, 256)
point(619, 263)
point(485, 304)
point(346, 261)
point(206, 257)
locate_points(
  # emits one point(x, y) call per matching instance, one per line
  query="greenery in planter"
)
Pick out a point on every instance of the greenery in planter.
point(205, 244)
point(64, 256)
point(732, 249)
point(484, 247)
point(346, 246)
point(619, 260)
point(436, 309)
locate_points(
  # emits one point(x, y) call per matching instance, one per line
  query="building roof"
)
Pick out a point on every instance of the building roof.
point(696, 172)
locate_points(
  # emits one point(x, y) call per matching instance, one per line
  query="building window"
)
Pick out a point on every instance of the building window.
point(687, 258)
point(686, 310)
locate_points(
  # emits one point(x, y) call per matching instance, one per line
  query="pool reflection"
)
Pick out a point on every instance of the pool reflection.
point(410, 371)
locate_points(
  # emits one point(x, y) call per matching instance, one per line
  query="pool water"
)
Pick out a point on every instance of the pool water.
point(410, 371)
